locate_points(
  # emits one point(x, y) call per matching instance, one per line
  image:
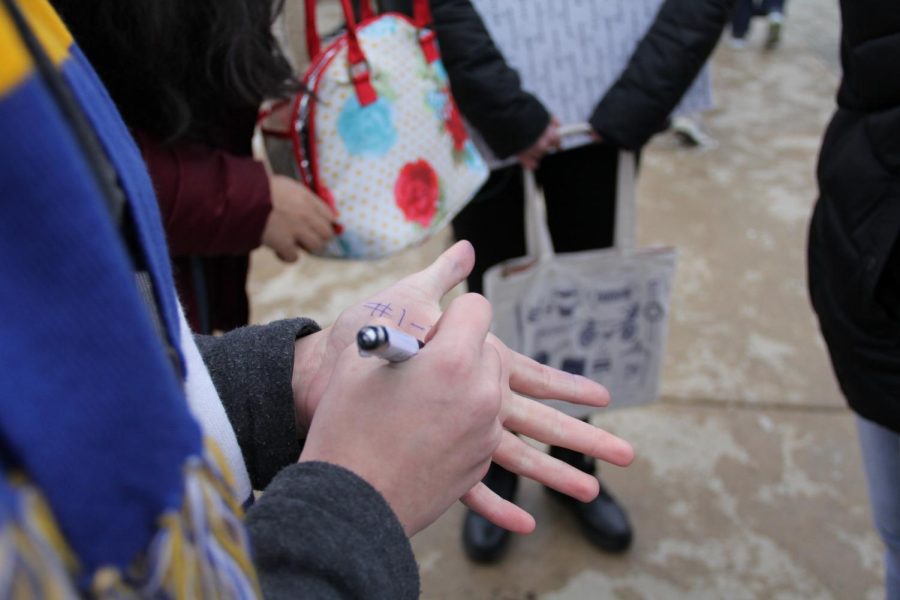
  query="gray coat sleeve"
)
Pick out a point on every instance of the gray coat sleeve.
point(660, 71)
point(251, 368)
point(319, 531)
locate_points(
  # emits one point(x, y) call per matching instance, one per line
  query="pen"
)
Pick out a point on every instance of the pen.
point(385, 342)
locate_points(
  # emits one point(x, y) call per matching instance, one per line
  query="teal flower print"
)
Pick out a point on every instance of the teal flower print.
point(472, 158)
point(382, 27)
point(351, 245)
point(438, 67)
point(367, 130)
point(437, 100)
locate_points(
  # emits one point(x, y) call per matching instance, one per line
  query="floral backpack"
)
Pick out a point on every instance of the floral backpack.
point(376, 133)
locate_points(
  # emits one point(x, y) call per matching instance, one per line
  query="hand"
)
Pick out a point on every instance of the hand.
point(549, 140)
point(299, 218)
point(527, 417)
point(412, 305)
point(421, 432)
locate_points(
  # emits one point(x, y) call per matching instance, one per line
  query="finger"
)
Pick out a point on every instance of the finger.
point(498, 511)
point(322, 208)
point(517, 456)
point(464, 325)
point(322, 226)
point(491, 363)
point(447, 271)
point(531, 378)
point(286, 252)
point(548, 425)
point(555, 139)
point(308, 238)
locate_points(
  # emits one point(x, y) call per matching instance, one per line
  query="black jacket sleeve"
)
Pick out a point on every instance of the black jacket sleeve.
point(660, 71)
point(319, 531)
point(486, 89)
point(251, 368)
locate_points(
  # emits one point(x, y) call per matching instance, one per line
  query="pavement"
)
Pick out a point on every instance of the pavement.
point(748, 481)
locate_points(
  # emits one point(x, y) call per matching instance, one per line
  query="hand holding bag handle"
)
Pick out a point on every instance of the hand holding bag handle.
point(600, 313)
point(399, 179)
point(539, 243)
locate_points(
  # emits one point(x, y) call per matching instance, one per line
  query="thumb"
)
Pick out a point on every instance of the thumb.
point(447, 271)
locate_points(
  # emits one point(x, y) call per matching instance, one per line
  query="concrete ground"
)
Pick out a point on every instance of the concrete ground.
point(748, 481)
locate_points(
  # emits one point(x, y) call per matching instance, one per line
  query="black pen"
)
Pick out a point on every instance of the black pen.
point(388, 343)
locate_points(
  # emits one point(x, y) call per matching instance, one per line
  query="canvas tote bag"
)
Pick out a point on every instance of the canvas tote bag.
point(598, 313)
point(377, 134)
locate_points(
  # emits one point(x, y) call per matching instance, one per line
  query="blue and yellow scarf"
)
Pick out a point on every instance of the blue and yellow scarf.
point(109, 488)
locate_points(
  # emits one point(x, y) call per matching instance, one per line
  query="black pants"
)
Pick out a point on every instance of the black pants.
point(580, 189)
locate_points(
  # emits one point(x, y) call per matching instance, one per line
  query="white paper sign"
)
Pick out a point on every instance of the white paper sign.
point(569, 52)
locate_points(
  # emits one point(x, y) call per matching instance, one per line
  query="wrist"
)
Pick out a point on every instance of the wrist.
point(309, 352)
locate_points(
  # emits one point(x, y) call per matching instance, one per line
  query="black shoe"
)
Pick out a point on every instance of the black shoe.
point(603, 520)
point(483, 541)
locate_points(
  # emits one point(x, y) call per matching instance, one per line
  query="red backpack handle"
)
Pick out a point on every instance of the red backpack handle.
point(357, 65)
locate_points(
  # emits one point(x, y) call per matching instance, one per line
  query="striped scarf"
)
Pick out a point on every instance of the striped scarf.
point(107, 487)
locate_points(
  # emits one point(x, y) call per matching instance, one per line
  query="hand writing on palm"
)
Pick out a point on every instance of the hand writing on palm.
point(413, 305)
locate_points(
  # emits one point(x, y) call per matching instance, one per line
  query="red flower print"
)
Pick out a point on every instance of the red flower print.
point(455, 126)
point(416, 192)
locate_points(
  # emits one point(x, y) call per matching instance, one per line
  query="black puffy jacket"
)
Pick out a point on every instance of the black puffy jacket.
point(854, 260)
point(638, 105)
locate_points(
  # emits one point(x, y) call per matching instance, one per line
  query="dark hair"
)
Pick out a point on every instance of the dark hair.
point(177, 68)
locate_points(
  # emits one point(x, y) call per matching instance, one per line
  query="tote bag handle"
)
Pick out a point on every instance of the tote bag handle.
point(539, 243)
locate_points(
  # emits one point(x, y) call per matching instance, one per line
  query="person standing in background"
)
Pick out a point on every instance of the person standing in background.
point(189, 79)
point(854, 252)
point(579, 184)
point(772, 10)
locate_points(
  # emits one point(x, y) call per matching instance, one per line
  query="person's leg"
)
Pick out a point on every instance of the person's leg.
point(774, 11)
point(494, 221)
point(580, 188)
point(773, 6)
point(740, 19)
point(881, 458)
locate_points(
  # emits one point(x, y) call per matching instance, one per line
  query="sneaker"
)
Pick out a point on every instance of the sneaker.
point(690, 134)
point(737, 43)
point(773, 38)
